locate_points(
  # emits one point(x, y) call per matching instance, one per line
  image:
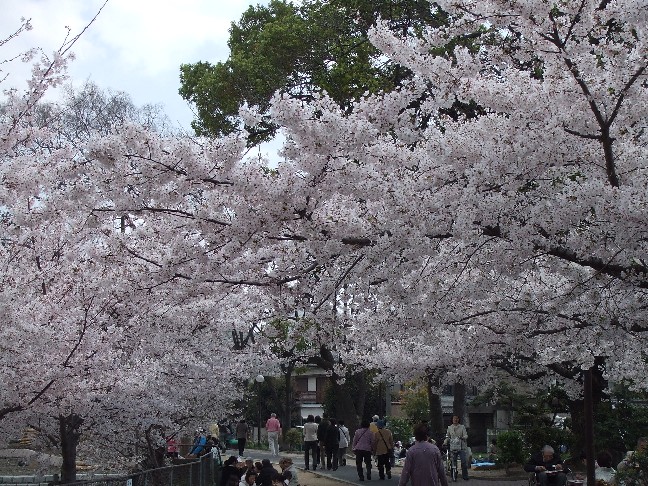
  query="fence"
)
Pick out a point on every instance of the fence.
point(205, 471)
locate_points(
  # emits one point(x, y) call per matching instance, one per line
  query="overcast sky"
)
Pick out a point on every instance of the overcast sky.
point(135, 46)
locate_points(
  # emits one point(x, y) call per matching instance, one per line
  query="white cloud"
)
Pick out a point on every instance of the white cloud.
point(135, 46)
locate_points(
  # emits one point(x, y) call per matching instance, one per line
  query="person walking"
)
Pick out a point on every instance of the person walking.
point(345, 440)
point(423, 464)
point(242, 431)
point(310, 442)
point(384, 446)
point(321, 438)
point(332, 442)
point(362, 446)
point(273, 428)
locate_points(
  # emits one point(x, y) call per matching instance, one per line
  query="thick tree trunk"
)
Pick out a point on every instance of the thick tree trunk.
point(69, 432)
point(286, 420)
point(589, 425)
point(154, 452)
point(436, 411)
point(459, 403)
point(577, 407)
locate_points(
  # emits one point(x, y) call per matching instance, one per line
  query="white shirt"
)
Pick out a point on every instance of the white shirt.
point(345, 438)
point(310, 431)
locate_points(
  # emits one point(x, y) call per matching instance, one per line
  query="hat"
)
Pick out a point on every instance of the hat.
point(375, 418)
point(380, 424)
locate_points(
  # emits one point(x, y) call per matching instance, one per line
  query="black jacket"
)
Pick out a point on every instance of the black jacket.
point(322, 429)
point(537, 460)
point(266, 475)
point(332, 439)
point(228, 471)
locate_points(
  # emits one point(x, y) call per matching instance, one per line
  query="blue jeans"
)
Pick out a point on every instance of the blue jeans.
point(464, 463)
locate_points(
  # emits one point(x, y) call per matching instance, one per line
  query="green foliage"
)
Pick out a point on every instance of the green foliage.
point(373, 400)
point(302, 50)
point(510, 447)
point(415, 402)
point(402, 429)
point(621, 420)
point(293, 439)
point(272, 391)
point(534, 418)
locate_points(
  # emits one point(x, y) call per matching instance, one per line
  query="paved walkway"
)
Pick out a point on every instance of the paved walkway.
point(348, 474)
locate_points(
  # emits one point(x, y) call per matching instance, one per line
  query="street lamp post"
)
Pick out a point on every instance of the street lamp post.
point(259, 379)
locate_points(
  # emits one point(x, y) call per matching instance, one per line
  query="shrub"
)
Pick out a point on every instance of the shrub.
point(293, 439)
point(401, 429)
point(510, 447)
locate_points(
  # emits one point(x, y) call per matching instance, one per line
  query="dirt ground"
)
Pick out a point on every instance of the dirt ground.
point(307, 478)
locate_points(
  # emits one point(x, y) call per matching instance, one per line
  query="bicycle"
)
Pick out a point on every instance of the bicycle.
point(451, 465)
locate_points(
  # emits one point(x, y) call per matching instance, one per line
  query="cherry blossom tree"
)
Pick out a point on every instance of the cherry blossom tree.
point(520, 231)
point(420, 238)
point(92, 345)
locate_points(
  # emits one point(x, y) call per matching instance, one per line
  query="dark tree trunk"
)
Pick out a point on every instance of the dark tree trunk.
point(577, 407)
point(350, 406)
point(286, 420)
point(589, 425)
point(359, 399)
point(69, 426)
point(154, 453)
point(459, 402)
point(436, 412)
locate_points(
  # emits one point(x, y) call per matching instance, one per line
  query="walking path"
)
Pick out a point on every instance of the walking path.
point(344, 474)
point(348, 474)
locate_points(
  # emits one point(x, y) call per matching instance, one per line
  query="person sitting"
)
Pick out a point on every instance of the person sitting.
point(604, 472)
point(230, 469)
point(629, 461)
point(200, 440)
point(267, 475)
point(548, 467)
point(492, 450)
point(249, 479)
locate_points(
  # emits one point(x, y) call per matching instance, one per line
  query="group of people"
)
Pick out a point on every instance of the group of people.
point(373, 439)
point(260, 473)
point(242, 431)
point(326, 441)
point(549, 468)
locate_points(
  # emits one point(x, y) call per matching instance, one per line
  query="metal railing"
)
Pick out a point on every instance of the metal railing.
point(204, 471)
